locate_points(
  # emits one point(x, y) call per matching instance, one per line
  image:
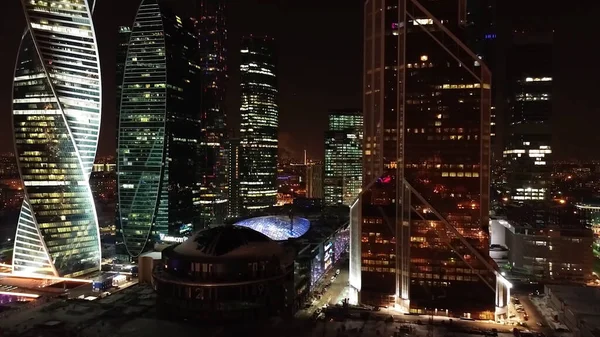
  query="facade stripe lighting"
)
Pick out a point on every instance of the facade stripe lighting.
point(141, 145)
point(259, 124)
point(158, 128)
point(56, 124)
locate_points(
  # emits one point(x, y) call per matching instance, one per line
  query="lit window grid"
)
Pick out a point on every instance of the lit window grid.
point(56, 119)
point(214, 190)
point(150, 118)
point(380, 97)
point(528, 161)
point(141, 136)
point(343, 167)
point(258, 130)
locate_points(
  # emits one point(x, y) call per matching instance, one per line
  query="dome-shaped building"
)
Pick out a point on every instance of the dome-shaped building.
point(277, 227)
point(225, 273)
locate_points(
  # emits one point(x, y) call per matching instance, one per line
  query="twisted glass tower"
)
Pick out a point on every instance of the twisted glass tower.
point(159, 126)
point(56, 123)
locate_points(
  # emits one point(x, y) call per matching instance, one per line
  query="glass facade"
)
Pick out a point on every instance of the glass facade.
point(158, 128)
point(528, 148)
point(259, 126)
point(427, 135)
point(343, 157)
point(234, 207)
point(123, 44)
point(212, 35)
point(56, 123)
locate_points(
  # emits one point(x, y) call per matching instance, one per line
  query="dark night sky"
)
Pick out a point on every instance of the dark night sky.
point(320, 61)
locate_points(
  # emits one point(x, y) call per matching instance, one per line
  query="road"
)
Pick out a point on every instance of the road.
point(536, 317)
point(334, 290)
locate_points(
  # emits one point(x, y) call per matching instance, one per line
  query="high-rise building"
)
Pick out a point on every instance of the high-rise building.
point(314, 181)
point(259, 126)
point(234, 207)
point(212, 181)
point(158, 128)
point(418, 239)
point(123, 44)
point(343, 157)
point(529, 81)
point(56, 122)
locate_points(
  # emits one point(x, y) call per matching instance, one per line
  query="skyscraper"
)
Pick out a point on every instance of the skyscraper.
point(343, 157)
point(259, 126)
point(56, 123)
point(212, 181)
point(528, 150)
point(123, 45)
point(419, 242)
point(234, 154)
point(158, 128)
point(314, 181)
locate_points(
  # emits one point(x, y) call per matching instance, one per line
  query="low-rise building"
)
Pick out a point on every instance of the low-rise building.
point(225, 273)
point(551, 254)
point(577, 308)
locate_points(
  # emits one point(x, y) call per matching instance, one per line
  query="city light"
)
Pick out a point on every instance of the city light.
point(277, 228)
point(19, 294)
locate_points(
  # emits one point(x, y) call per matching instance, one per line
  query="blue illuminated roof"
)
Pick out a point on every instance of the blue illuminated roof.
point(277, 227)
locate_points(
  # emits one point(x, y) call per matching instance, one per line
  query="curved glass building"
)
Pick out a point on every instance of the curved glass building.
point(159, 126)
point(56, 123)
point(259, 124)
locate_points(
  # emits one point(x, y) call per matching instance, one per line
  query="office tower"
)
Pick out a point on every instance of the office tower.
point(212, 180)
point(258, 183)
point(343, 157)
point(419, 242)
point(314, 181)
point(123, 44)
point(234, 207)
point(528, 150)
point(56, 123)
point(158, 128)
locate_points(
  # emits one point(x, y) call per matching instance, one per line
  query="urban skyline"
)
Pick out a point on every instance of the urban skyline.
point(158, 132)
point(56, 115)
point(426, 105)
point(434, 199)
point(299, 96)
point(259, 128)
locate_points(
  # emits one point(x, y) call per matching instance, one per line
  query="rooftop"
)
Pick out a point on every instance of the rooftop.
point(581, 300)
point(228, 241)
point(277, 227)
